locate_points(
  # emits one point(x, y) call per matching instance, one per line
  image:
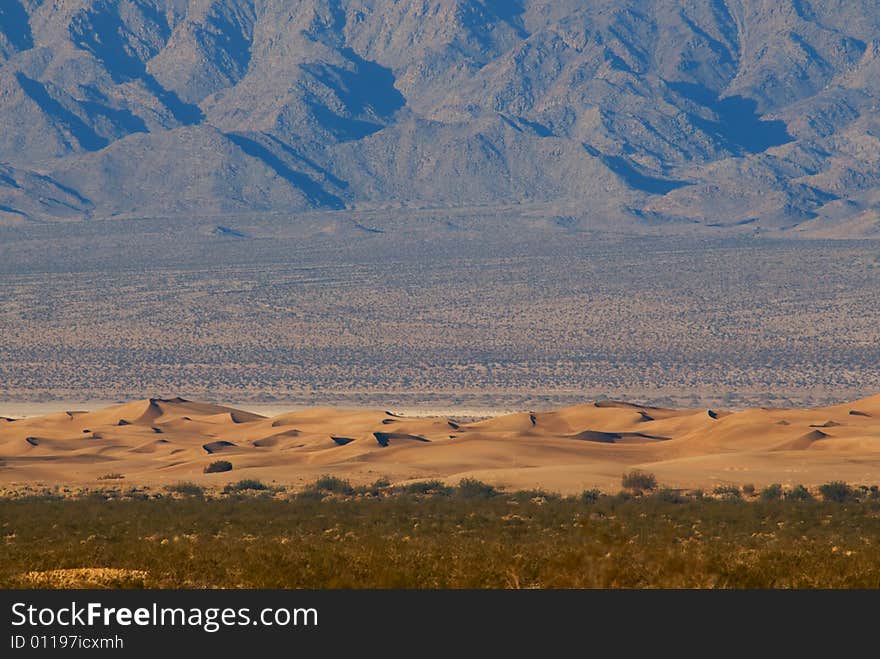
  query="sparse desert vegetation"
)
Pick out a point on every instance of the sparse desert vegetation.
point(246, 485)
point(431, 535)
point(639, 480)
point(837, 491)
point(772, 492)
point(540, 319)
point(186, 489)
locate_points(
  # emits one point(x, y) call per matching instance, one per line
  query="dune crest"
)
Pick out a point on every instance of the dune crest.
point(156, 441)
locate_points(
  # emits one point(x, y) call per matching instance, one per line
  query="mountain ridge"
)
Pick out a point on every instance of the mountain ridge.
point(742, 115)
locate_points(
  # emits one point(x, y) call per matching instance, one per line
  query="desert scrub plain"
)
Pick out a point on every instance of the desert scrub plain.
point(499, 319)
point(430, 535)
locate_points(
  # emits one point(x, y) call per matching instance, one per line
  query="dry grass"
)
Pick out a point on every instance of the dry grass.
point(496, 540)
point(84, 577)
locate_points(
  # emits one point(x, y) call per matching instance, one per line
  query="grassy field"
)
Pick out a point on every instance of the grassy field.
point(430, 536)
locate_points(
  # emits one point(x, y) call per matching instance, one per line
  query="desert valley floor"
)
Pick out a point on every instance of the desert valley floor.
point(567, 450)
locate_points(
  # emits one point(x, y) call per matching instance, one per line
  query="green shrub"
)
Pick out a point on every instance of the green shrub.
point(327, 483)
point(731, 492)
point(837, 491)
point(798, 493)
point(218, 466)
point(310, 493)
point(374, 489)
point(530, 495)
point(590, 496)
point(244, 486)
point(621, 497)
point(187, 489)
point(772, 492)
point(639, 480)
point(426, 487)
point(667, 495)
point(471, 488)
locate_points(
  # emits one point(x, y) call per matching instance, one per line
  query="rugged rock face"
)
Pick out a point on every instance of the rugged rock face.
point(731, 113)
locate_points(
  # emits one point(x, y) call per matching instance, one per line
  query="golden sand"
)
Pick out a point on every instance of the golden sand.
point(156, 442)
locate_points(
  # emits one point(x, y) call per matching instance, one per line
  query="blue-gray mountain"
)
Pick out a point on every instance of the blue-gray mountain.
point(754, 115)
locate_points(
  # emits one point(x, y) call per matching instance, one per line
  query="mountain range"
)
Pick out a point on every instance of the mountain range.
point(745, 115)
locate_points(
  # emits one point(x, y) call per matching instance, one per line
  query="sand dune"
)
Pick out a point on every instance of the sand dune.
point(161, 441)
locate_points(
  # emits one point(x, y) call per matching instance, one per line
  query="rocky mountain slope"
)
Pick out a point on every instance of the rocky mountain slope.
point(756, 115)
